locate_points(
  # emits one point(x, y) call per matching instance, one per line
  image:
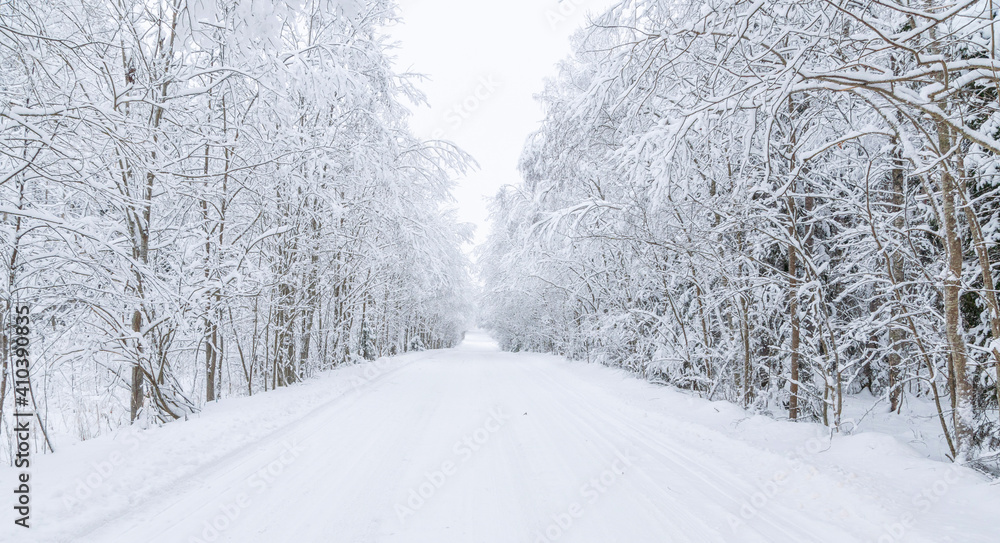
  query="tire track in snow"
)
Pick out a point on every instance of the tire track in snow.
point(681, 523)
point(779, 518)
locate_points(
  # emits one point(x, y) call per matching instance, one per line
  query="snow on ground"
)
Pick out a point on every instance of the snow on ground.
point(476, 445)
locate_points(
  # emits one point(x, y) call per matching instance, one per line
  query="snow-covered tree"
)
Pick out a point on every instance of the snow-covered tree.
point(201, 198)
point(776, 202)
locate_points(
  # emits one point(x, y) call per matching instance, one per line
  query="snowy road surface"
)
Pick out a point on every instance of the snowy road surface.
point(474, 445)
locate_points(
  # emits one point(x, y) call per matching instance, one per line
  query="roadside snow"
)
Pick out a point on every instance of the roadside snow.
point(93, 482)
point(475, 445)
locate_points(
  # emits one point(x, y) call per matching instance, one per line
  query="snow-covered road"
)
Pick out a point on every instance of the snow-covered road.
point(474, 445)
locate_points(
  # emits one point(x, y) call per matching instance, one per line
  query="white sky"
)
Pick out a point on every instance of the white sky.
point(485, 61)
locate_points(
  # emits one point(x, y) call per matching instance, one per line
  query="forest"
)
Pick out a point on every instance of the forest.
point(784, 204)
point(779, 203)
point(202, 199)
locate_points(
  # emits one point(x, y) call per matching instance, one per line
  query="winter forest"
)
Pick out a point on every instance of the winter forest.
point(775, 203)
point(791, 206)
point(204, 199)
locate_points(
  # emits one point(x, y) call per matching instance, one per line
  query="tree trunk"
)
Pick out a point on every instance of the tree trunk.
point(793, 315)
point(137, 373)
point(953, 325)
point(895, 263)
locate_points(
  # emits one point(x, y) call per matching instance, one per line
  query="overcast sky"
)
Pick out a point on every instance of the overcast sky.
point(484, 61)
